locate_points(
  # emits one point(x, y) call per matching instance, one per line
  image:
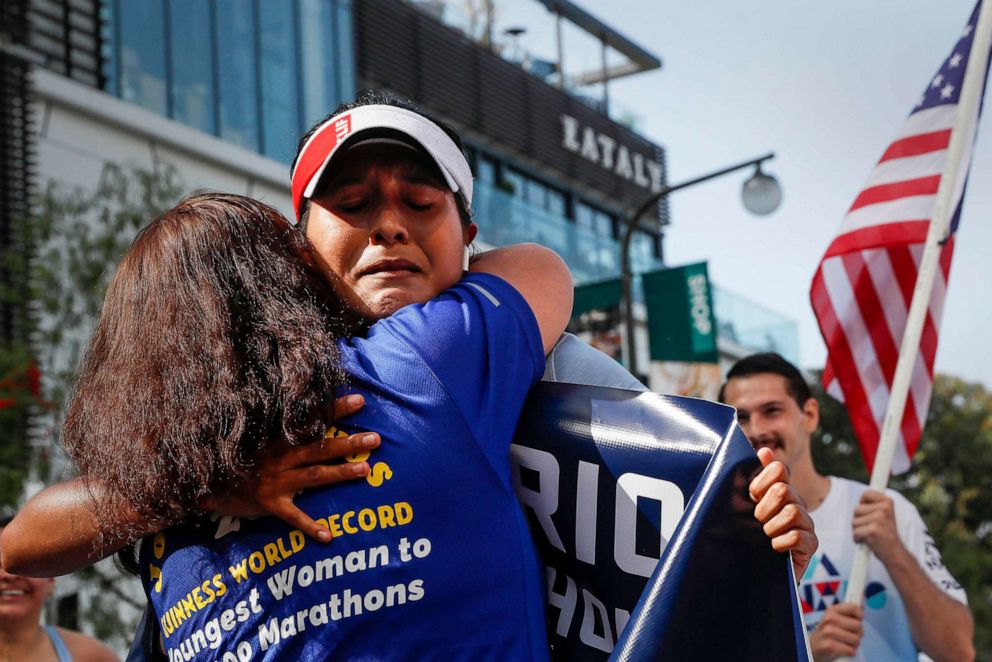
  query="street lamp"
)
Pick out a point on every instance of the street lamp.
point(761, 195)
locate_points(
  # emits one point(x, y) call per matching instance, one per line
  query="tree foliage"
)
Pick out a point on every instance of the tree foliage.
point(81, 236)
point(76, 238)
point(950, 482)
point(17, 402)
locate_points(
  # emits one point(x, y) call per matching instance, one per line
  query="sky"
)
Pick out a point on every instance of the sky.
point(824, 85)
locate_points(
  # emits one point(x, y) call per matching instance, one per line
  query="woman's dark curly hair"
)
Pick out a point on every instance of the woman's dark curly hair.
point(217, 339)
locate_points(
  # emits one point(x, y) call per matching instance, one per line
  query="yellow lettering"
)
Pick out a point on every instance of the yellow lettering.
point(271, 553)
point(296, 540)
point(358, 457)
point(198, 600)
point(240, 571)
point(187, 605)
point(345, 522)
point(283, 552)
point(366, 519)
point(333, 526)
point(207, 591)
point(404, 513)
point(219, 585)
point(386, 517)
point(158, 545)
point(155, 575)
point(379, 474)
point(256, 562)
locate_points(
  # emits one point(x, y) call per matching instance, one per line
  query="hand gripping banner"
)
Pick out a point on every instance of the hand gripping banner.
point(640, 509)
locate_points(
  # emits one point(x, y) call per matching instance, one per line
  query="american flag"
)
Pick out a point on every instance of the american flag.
point(862, 290)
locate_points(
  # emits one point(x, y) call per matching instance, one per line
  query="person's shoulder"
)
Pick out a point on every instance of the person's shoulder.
point(853, 487)
point(492, 299)
point(905, 509)
point(85, 647)
point(576, 362)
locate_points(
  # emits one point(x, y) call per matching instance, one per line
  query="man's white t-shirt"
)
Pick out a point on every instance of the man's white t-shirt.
point(887, 635)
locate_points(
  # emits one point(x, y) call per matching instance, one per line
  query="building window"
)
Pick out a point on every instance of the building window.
point(109, 18)
point(277, 42)
point(595, 220)
point(191, 48)
point(258, 73)
point(320, 89)
point(536, 193)
point(584, 215)
point(513, 182)
point(344, 37)
point(236, 79)
point(486, 170)
point(141, 58)
point(642, 251)
point(556, 202)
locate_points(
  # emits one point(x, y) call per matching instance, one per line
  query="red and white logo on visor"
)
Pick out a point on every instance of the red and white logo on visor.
point(342, 127)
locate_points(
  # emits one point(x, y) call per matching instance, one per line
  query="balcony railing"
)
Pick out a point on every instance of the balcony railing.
point(472, 24)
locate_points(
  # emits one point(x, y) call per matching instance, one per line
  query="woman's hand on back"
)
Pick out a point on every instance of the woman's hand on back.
point(283, 473)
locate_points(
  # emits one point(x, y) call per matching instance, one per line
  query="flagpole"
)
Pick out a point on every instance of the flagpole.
point(962, 137)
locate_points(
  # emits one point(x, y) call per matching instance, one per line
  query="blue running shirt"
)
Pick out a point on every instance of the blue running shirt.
point(431, 557)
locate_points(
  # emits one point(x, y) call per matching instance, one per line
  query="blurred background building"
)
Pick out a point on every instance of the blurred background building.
point(218, 92)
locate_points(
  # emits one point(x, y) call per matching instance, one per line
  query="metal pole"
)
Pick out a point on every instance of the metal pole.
point(489, 26)
point(606, 83)
point(627, 278)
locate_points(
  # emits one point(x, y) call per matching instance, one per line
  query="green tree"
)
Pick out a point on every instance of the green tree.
point(950, 482)
point(80, 237)
point(18, 400)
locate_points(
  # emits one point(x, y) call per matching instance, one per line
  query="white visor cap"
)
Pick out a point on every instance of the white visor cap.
point(321, 147)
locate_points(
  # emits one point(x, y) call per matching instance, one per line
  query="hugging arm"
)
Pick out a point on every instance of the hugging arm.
point(58, 531)
point(541, 277)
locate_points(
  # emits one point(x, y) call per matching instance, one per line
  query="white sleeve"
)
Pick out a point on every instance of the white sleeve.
point(917, 539)
point(575, 362)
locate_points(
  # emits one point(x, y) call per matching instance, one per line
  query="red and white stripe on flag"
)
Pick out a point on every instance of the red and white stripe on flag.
point(862, 290)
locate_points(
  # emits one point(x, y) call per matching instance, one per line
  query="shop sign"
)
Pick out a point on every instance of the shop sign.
point(612, 156)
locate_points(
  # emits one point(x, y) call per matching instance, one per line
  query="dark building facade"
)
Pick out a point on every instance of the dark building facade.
point(550, 168)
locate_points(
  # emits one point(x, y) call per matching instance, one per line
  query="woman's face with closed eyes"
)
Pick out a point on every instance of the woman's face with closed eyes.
point(387, 229)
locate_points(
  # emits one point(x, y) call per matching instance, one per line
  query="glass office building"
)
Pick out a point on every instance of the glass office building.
point(256, 73)
point(259, 73)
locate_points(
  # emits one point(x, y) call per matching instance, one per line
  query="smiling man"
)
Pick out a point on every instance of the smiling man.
point(912, 603)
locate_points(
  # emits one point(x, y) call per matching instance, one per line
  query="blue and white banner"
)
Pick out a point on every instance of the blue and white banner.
point(639, 505)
